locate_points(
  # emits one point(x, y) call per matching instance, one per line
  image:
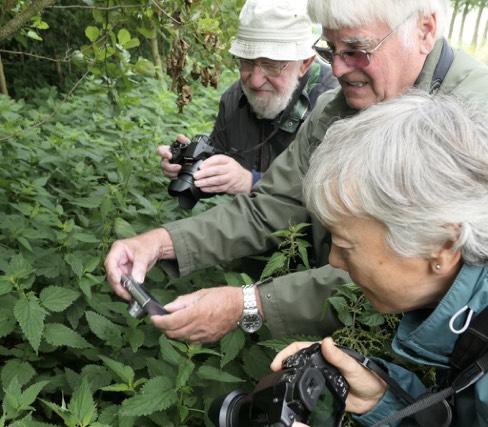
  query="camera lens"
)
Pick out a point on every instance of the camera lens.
point(225, 411)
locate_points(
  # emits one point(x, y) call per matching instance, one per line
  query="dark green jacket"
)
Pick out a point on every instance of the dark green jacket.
point(294, 303)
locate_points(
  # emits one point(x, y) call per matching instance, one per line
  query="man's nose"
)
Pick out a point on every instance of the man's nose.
point(257, 77)
point(339, 67)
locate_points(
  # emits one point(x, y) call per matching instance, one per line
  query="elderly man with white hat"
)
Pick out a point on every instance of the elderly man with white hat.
point(260, 114)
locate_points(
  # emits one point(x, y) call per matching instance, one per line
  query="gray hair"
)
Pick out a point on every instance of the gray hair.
point(418, 164)
point(335, 14)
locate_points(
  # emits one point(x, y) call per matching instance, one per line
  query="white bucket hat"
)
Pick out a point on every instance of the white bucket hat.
point(274, 29)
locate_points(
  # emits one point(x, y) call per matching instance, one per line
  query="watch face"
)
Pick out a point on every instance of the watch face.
point(251, 322)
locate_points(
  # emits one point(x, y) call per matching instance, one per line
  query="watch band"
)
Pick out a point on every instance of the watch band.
point(250, 320)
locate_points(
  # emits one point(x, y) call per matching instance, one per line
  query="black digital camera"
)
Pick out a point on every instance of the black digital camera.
point(283, 397)
point(189, 156)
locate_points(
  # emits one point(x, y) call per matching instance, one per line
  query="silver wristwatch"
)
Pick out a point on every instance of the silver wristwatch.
point(250, 320)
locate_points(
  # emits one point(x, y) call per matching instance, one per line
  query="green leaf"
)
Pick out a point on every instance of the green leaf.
point(275, 263)
point(168, 352)
point(123, 229)
point(92, 33)
point(58, 335)
point(123, 372)
point(82, 405)
point(104, 329)
point(75, 263)
point(86, 238)
point(135, 337)
point(14, 368)
point(57, 298)
point(342, 309)
point(371, 319)
point(157, 394)
point(132, 43)
point(123, 37)
point(256, 362)
point(30, 394)
point(6, 285)
point(30, 316)
point(33, 35)
point(184, 372)
point(230, 345)
point(210, 373)
point(7, 322)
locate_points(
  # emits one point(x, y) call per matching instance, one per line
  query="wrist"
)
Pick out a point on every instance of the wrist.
point(251, 319)
point(165, 248)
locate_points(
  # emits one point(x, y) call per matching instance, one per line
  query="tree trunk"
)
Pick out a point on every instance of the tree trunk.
point(455, 11)
point(18, 21)
point(157, 57)
point(463, 21)
point(3, 81)
point(485, 34)
point(474, 41)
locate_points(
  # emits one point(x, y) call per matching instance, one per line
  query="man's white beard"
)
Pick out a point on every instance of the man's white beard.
point(268, 107)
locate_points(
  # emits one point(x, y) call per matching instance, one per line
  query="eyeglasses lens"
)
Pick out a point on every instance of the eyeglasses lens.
point(352, 58)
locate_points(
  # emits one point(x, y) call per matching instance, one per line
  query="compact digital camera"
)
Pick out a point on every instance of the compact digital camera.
point(142, 301)
point(283, 397)
point(189, 156)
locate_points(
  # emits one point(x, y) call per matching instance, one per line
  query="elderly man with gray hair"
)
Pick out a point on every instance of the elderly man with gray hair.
point(403, 189)
point(260, 114)
point(378, 49)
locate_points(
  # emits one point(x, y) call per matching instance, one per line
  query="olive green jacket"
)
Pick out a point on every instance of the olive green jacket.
point(294, 303)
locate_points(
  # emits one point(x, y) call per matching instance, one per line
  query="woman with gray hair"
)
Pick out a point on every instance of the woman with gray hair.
point(403, 188)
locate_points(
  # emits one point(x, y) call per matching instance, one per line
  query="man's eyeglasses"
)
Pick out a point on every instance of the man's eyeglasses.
point(268, 68)
point(355, 58)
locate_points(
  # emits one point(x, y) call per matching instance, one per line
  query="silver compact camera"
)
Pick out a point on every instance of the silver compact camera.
point(142, 301)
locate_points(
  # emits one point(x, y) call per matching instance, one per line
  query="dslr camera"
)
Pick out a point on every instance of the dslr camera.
point(283, 397)
point(189, 156)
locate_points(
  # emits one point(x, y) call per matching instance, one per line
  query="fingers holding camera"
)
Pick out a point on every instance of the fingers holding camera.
point(169, 169)
point(202, 316)
point(277, 363)
point(135, 256)
point(223, 174)
point(366, 389)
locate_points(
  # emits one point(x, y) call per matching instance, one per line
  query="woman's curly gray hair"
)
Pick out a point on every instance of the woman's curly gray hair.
point(418, 164)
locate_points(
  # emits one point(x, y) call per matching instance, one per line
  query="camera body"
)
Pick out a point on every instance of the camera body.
point(142, 301)
point(189, 156)
point(283, 397)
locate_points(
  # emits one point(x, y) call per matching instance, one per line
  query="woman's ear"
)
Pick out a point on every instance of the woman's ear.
point(445, 260)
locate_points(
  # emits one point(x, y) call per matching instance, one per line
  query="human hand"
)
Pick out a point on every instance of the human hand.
point(365, 388)
point(169, 169)
point(135, 256)
point(223, 174)
point(202, 316)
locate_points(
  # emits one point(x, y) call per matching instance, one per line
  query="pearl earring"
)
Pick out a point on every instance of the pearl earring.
point(437, 266)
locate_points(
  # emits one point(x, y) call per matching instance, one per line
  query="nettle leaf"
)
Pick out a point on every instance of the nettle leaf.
point(29, 395)
point(82, 406)
point(6, 285)
point(123, 229)
point(371, 319)
point(7, 322)
point(19, 267)
point(279, 344)
point(123, 372)
point(256, 362)
point(104, 328)
point(58, 335)
point(30, 316)
point(184, 372)
point(157, 394)
point(136, 338)
point(168, 352)
point(275, 263)
point(86, 237)
point(341, 307)
point(14, 368)
point(57, 298)
point(75, 263)
point(210, 373)
point(230, 345)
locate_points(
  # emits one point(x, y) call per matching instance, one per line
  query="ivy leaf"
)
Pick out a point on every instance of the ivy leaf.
point(57, 298)
point(157, 394)
point(104, 329)
point(210, 373)
point(30, 316)
point(230, 345)
point(123, 372)
point(58, 335)
point(275, 263)
point(82, 405)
